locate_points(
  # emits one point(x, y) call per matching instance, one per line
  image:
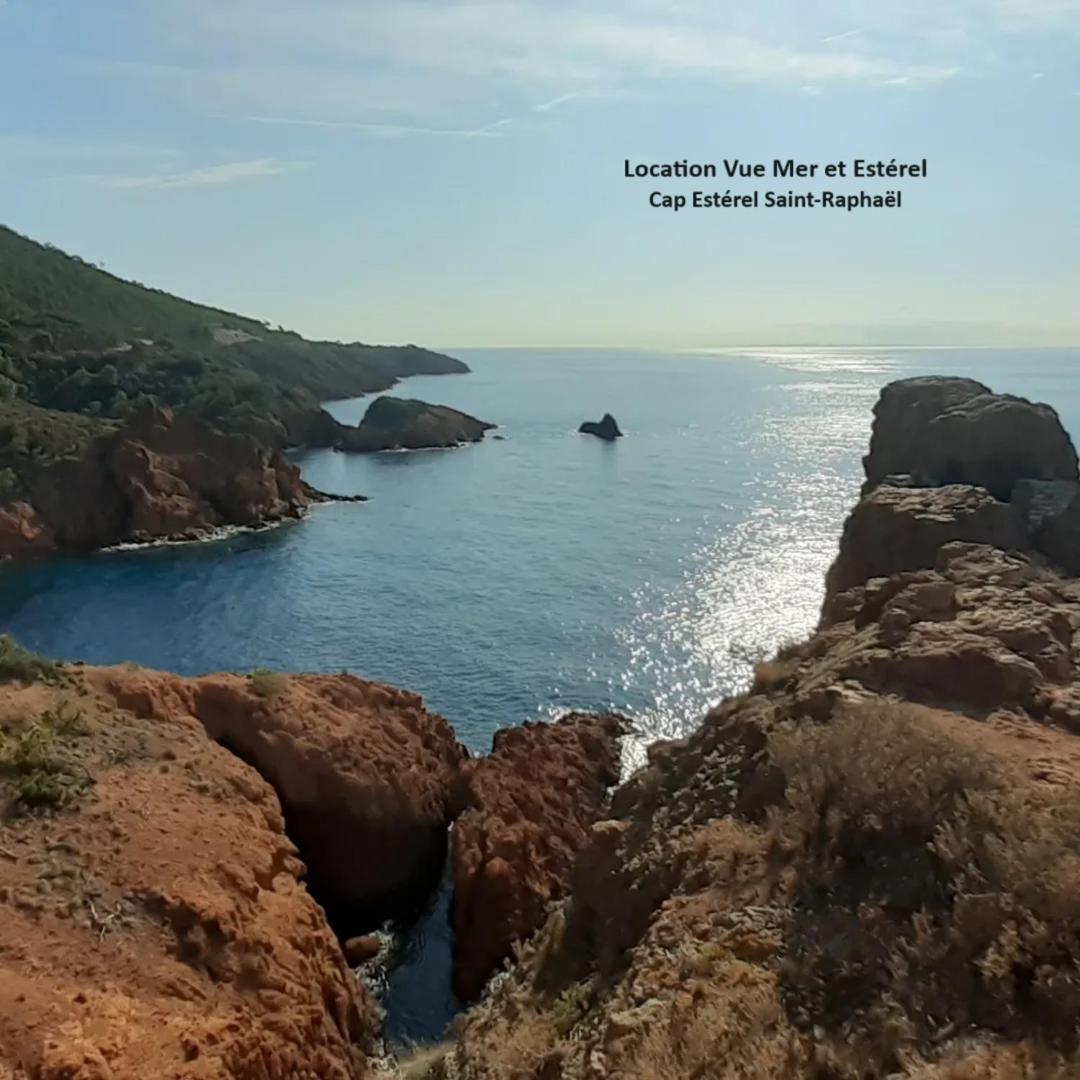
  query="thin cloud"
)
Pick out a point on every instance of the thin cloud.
point(845, 36)
point(236, 172)
point(1039, 14)
point(488, 131)
point(555, 102)
point(475, 44)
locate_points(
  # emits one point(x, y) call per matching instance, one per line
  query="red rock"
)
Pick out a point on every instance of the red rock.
point(369, 780)
point(160, 477)
point(174, 936)
point(22, 532)
point(531, 803)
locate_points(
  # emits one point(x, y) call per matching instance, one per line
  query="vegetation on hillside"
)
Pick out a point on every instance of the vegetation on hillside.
point(76, 339)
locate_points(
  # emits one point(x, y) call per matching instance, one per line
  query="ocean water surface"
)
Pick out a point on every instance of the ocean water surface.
point(542, 570)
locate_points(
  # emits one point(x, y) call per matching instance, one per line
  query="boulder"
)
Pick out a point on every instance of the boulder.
point(362, 949)
point(392, 423)
point(531, 803)
point(606, 428)
point(956, 431)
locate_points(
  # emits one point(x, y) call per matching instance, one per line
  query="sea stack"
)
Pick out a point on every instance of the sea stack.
point(607, 428)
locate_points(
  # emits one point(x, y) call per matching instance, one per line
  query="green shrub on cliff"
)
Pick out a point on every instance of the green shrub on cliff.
point(17, 663)
point(266, 683)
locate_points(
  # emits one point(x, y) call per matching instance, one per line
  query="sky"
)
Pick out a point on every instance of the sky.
point(450, 172)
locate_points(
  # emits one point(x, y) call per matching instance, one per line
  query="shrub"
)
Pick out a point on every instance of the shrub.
point(46, 773)
point(267, 683)
point(17, 663)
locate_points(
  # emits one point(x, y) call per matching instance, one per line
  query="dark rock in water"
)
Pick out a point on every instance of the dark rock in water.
point(607, 428)
point(316, 496)
point(404, 424)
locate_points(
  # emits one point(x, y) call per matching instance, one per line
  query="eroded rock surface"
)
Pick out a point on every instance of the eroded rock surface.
point(369, 779)
point(950, 460)
point(531, 802)
point(153, 919)
point(901, 528)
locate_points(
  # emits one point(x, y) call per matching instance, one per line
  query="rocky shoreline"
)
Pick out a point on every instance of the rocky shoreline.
point(864, 866)
point(164, 477)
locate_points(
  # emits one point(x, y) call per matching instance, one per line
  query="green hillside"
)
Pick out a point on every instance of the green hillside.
point(75, 338)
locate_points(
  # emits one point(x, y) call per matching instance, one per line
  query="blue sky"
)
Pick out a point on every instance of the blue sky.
point(450, 171)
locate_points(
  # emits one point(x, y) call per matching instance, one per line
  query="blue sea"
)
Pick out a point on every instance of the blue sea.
point(541, 570)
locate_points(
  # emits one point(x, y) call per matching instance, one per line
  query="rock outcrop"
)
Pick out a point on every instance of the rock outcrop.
point(159, 477)
point(531, 803)
point(153, 916)
point(368, 779)
point(392, 423)
point(901, 528)
point(957, 431)
point(864, 866)
point(606, 428)
point(950, 460)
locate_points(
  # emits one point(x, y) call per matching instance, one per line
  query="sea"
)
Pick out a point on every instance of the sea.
point(541, 570)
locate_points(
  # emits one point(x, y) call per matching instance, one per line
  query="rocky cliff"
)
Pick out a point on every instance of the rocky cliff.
point(181, 860)
point(531, 802)
point(866, 865)
point(153, 916)
point(157, 477)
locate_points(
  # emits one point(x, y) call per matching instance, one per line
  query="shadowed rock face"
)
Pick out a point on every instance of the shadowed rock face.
point(956, 431)
point(403, 424)
point(531, 803)
point(951, 461)
point(898, 528)
point(606, 428)
point(160, 477)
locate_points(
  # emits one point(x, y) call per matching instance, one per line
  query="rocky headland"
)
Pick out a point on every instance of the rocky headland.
point(864, 866)
point(129, 415)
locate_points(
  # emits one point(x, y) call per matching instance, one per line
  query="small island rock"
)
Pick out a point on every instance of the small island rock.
point(607, 428)
point(404, 424)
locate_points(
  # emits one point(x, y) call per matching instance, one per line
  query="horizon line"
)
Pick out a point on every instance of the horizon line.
point(765, 345)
